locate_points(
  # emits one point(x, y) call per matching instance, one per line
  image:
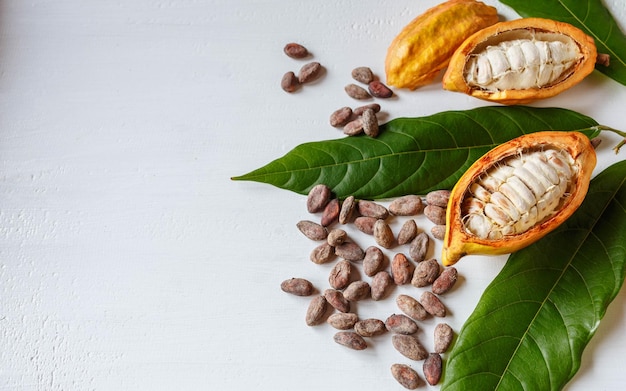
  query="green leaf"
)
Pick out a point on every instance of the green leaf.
point(533, 321)
point(593, 18)
point(411, 155)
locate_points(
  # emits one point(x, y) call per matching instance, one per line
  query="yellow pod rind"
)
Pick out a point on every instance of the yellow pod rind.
point(454, 78)
point(424, 47)
point(458, 242)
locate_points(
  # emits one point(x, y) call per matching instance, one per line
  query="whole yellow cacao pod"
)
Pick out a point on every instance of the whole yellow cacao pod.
point(521, 61)
point(424, 47)
point(517, 193)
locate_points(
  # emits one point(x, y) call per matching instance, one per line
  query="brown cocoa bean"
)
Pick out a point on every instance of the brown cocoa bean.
point(432, 304)
point(357, 92)
point(438, 198)
point(379, 90)
point(359, 110)
point(436, 214)
point(342, 321)
point(289, 82)
point(357, 290)
point(419, 247)
point(350, 251)
point(350, 339)
point(295, 50)
point(312, 230)
point(370, 327)
point(432, 368)
point(370, 123)
point(373, 261)
point(330, 213)
point(347, 208)
point(363, 75)
point(372, 209)
point(381, 282)
point(406, 376)
point(443, 337)
point(408, 232)
point(401, 324)
point(409, 205)
point(316, 310)
point(340, 117)
point(445, 281)
point(297, 286)
point(322, 254)
point(336, 237)
point(401, 269)
point(339, 277)
point(411, 307)
point(365, 224)
point(409, 346)
point(383, 234)
point(318, 197)
point(426, 273)
point(335, 298)
point(438, 231)
point(354, 127)
point(309, 72)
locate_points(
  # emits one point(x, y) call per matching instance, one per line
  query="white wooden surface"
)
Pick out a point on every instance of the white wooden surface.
point(130, 261)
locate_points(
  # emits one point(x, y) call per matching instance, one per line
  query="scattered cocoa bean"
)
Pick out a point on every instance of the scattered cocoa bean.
point(354, 127)
point(411, 307)
point(443, 337)
point(340, 117)
point(432, 368)
point(401, 324)
point(370, 327)
point(409, 205)
point(316, 310)
point(373, 261)
point(297, 286)
point(445, 281)
point(357, 290)
point(289, 82)
point(318, 197)
point(426, 273)
point(372, 209)
point(339, 277)
point(357, 92)
point(342, 321)
point(383, 234)
point(322, 254)
point(406, 376)
point(365, 224)
point(409, 346)
point(381, 282)
point(432, 304)
point(419, 247)
point(336, 299)
point(295, 50)
point(347, 208)
point(438, 198)
point(359, 110)
point(309, 72)
point(436, 214)
point(370, 123)
point(312, 230)
point(350, 251)
point(378, 90)
point(408, 232)
point(438, 231)
point(401, 269)
point(330, 213)
point(336, 236)
point(363, 75)
point(350, 339)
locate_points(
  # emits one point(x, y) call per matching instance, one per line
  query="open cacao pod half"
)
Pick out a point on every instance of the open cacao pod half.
point(517, 193)
point(521, 61)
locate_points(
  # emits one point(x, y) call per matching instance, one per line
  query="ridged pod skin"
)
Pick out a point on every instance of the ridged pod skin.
point(459, 241)
point(424, 47)
point(455, 77)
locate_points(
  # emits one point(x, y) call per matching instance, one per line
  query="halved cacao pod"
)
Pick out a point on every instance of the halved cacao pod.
point(424, 47)
point(517, 193)
point(521, 61)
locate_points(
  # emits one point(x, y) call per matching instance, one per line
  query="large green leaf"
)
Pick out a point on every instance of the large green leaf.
point(590, 16)
point(411, 155)
point(533, 321)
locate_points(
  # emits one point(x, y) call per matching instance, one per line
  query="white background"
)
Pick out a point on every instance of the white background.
point(128, 258)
